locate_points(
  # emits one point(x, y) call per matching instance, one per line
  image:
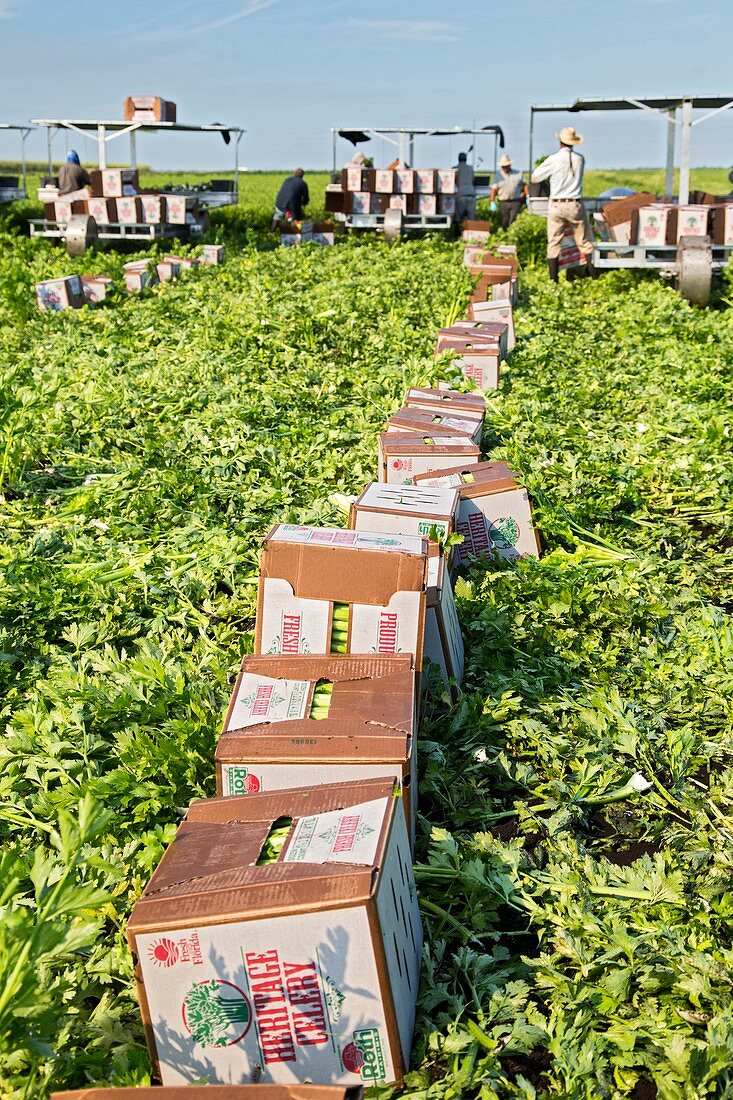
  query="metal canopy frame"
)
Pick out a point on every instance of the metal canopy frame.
point(109, 129)
point(663, 107)
point(24, 129)
point(404, 137)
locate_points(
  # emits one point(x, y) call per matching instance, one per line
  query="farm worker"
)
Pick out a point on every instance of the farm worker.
point(465, 190)
point(566, 213)
point(510, 191)
point(356, 161)
point(291, 198)
point(72, 176)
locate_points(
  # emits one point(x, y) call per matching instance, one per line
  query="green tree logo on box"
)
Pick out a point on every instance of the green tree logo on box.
point(216, 1013)
point(504, 533)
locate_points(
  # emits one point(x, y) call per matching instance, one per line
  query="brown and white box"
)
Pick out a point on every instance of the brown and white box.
point(305, 571)
point(304, 968)
point(401, 455)
point(216, 1092)
point(436, 421)
point(54, 295)
point(269, 742)
point(468, 405)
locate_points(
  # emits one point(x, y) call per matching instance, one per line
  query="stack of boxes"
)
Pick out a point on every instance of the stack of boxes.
point(115, 198)
point(428, 192)
point(640, 219)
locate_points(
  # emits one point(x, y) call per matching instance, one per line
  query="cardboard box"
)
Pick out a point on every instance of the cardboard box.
point(269, 741)
point(489, 332)
point(405, 181)
point(95, 287)
point(479, 363)
point(128, 210)
point(722, 224)
point(446, 181)
point(692, 221)
point(435, 422)
point(384, 181)
point(167, 270)
point(482, 261)
point(650, 224)
point(336, 200)
point(405, 510)
point(617, 215)
point(376, 204)
point(355, 179)
point(175, 209)
point(153, 209)
point(463, 404)
point(216, 1092)
point(361, 202)
point(495, 310)
point(54, 295)
point(323, 233)
point(148, 108)
point(114, 183)
point(426, 181)
point(304, 571)
point(476, 233)
point(427, 205)
point(139, 274)
point(307, 967)
point(60, 210)
point(494, 512)
point(212, 254)
point(443, 637)
point(401, 455)
point(104, 211)
point(186, 263)
point(446, 204)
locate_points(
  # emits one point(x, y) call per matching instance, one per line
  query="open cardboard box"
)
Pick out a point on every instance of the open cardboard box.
point(148, 108)
point(303, 968)
point(494, 511)
point(479, 360)
point(476, 233)
point(618, 215)
point(405, 510)
point(95, 287)
point(139, 274)
point(212, 254)
point(437, 421)
point(489, 331)
point(270, 742)
point(380, 579)
point(443, 637)
point(495, 310)
point(216, 1092)
point(403, 454)
point(114, 183)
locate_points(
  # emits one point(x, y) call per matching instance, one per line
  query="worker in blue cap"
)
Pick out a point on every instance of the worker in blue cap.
point(72, 177)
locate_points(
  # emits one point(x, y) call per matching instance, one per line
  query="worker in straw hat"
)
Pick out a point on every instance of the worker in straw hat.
point(510, 191)
point(566, 214)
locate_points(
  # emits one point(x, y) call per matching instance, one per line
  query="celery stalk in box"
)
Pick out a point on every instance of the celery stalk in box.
point(379, 581)
point(279, 940)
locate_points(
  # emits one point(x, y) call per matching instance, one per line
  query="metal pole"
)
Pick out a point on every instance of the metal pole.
point(236, 164)
point(133, 149)
point(401, 147)
point(102, 146)
point(23, 136)
point(531, 140)
point(685, 142)
point(333, 142)
point(496, 146)
point(412, 149)
point(671, 138)
point(48, 142)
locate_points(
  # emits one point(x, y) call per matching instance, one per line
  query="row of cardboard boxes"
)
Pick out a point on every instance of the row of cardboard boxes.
point(280, 936)
point(400, 181)
point(142, 209)
point(302, 232)
point(641, 219)
point(366, 202)
point(74, 291)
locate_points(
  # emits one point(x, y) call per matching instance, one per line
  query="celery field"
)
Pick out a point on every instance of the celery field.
point(575, 840)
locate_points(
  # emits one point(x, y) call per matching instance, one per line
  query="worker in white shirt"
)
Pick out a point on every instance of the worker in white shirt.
point(510, 190)
point(465, 190)
point(566, 214)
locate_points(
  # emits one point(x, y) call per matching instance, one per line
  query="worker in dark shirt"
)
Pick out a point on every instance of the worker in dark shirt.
point(72, 176)
point(291, 198)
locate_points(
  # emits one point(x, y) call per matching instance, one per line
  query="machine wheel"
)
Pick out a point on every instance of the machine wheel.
point(695, 269)
point(392, 225)
point(81, 231)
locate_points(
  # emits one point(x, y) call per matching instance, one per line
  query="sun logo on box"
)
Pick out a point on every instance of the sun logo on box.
point(163, 952)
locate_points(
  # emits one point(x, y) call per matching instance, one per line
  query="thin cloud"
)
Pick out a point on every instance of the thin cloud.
point(251, 9)
point(8, 8)
point(415, 30)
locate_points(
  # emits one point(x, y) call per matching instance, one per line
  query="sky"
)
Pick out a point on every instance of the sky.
point(288, 71)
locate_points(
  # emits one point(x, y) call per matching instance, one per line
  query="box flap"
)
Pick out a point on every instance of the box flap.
point(216, 1092)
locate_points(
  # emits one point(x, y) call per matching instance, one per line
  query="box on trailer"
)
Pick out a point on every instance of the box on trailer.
point(365, 729)
point(435, 421)
point(148, 108)
point(618, 215)
point(722, 224)
point(54, 295)
point(212, 254)
point(403, 454)
point(426, 181)
point(325, 590)
point(463, 404)
point(104, 211)
point(305, 967)
point(650, 224)
point(447, 204)
point(446, 181)
point(384, 181)
point(356, 179)
point(495, 310)
point(139, 274)
point(494, 511)
point(427, 205)
point(60, 210)
point(405, 181)
point(336, 200)
point(95, 287)
point(128, 210)
point(215, 1092)
point(691, 221)
point(153, 209)
point(114, 183)
point(360, 202)
point(175, 209)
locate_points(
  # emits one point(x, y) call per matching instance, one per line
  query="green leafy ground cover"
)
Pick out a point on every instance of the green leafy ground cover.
point(577, 820)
